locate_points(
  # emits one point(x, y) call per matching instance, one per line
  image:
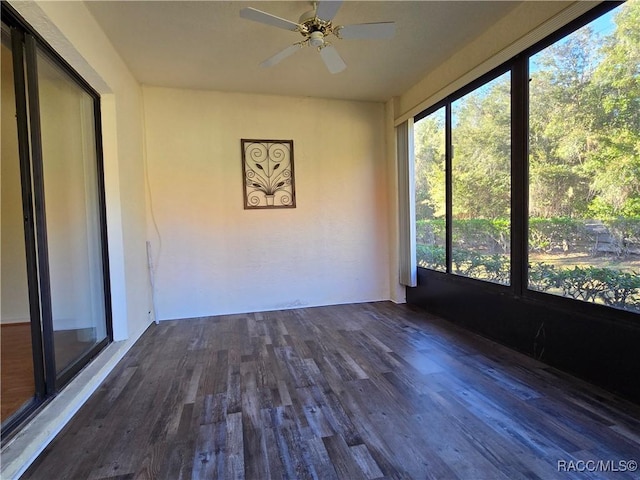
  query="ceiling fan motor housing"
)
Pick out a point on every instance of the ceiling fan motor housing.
point(314, 29)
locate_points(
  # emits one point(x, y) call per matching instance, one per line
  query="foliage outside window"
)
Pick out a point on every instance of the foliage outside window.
point(584, 163)
point(429, 141)
point(481, 182)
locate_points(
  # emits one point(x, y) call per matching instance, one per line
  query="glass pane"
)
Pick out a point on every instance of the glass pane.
point(481, 182)
point(17, 381)
point(584, 193)
point(72, 210)
point(430, 201)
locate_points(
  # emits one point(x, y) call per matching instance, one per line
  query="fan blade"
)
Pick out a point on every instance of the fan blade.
point(332, 59)
point(290, 50)
point(327, 9)
point(266, 18)
point(368, 30)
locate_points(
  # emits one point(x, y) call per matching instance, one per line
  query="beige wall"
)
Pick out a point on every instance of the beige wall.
point(214, 257)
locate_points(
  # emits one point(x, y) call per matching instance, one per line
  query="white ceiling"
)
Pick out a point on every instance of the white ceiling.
point(206, 45)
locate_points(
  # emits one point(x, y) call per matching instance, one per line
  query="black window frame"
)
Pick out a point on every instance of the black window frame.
point(446, 103)
point(518, 65)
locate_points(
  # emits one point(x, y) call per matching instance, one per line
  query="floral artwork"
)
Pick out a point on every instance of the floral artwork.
point(267, 170)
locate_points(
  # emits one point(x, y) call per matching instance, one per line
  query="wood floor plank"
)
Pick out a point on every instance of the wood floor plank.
point(255, 434)
point(208, 461)
point(342, 459)
point(370, 391)
point(235, 447)
point(314, 411)
point(365, 461)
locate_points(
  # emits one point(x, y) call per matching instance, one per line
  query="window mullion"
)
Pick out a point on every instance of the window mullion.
point(448, 186)
point(519, 189)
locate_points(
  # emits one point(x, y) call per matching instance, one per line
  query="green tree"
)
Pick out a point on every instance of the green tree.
point(614, 165)
point(585, 122)
point(429, 152)
point(482, 152)
point(560, 126)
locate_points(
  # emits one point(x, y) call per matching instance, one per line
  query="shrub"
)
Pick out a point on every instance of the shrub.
point(607, 286)
point(561, 233)
point(431, 256)
point(494, 267)
point(427, 231)
point(482, 234)
point(546, 235)
point(491, 235)
point(592, 284)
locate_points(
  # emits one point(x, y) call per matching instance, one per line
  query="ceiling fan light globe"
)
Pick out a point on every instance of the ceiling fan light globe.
point(316, 39)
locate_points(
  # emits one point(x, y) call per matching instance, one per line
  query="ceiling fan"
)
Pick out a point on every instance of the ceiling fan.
point(315, 26)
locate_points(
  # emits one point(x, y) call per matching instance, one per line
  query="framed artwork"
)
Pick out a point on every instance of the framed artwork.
point(267, 174)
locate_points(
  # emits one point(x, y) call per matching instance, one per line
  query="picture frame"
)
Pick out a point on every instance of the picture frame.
point(268, 174)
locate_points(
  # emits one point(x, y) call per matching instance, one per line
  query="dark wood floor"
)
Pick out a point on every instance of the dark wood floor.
point(352, 392)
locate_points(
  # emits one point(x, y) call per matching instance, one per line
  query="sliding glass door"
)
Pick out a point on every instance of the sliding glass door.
point(55, 289)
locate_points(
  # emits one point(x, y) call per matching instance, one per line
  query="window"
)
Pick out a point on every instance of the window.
point(481, 182)
point(469, 209)
point(429, 154)
point(584, 163)
point(528, 179)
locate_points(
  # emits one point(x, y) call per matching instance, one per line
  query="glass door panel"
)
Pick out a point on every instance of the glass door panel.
point(18, 385)
point(72, 205)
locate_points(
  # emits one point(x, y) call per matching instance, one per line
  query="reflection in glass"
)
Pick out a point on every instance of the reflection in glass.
point(72, 212)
